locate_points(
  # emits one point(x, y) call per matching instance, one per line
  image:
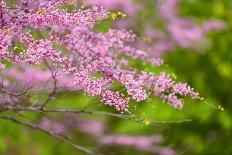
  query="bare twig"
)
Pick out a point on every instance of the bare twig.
point(3, 90)
point(101, 113)
point(58, 137)
point(2, 84)
point(16, 95)
point(54, 86)
point(22, 93)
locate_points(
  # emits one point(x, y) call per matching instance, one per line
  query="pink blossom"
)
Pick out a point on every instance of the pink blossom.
point(128, 6)
point(86, 53)
point(115, 99)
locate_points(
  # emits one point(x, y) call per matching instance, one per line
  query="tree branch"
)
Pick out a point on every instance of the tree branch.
point(58, 137)
point(101, 113)
point(54, 86)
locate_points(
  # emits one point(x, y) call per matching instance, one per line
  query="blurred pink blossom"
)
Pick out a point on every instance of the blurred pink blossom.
point(129, 6)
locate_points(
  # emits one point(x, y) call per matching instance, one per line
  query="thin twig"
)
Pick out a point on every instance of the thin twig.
point(58, 137)
point(54, 86)
point(3, 90)
point(101, 113)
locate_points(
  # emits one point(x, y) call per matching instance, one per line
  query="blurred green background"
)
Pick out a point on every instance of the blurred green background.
point(208, 71)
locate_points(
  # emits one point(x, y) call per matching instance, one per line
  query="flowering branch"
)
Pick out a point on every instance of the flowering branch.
point(93, 62)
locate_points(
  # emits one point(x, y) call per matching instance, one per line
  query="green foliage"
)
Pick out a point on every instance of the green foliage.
point(2, 146)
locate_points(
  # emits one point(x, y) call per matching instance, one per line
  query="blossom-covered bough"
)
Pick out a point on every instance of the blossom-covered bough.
point(47, 47)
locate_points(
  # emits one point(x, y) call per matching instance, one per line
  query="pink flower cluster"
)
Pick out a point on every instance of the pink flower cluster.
point(35, 78)
point(86, 52)
point(128, 6)
point(178, 31)
point(115, 99)
point(169, 90)
point(184, 31)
